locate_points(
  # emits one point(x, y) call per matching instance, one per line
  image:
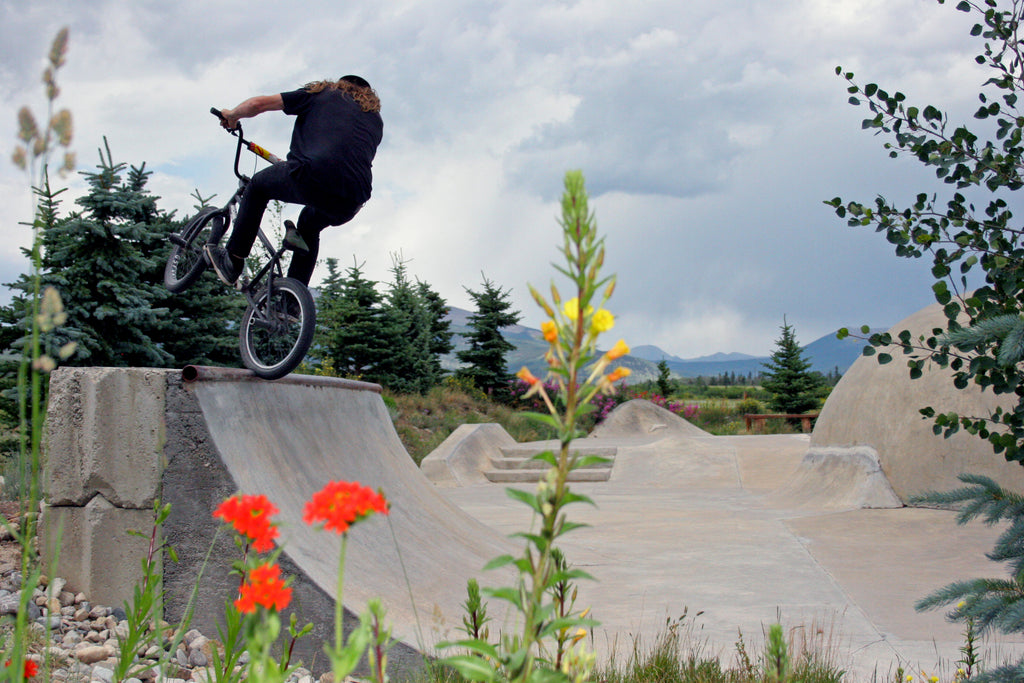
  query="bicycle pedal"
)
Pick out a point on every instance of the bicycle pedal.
point(176, 239)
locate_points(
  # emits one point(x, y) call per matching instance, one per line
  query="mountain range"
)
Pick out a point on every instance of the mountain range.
point(826, 354)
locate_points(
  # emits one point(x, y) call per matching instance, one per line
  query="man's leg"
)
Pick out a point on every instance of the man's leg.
point(311, 222)
point(274, 182)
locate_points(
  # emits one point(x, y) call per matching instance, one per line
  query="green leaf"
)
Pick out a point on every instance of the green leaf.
point(884, 358)
point(499, 562)
point(525, 497)
point(471, 668)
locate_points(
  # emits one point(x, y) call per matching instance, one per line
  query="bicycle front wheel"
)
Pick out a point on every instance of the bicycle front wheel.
point(186, 262)
point(278, 330)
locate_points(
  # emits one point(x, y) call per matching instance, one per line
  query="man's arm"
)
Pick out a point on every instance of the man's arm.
point(254, 106)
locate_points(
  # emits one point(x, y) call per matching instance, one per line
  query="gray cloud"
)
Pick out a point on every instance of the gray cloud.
point(709, 133)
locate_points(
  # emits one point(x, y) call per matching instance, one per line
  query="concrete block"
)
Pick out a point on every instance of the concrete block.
point(106, 436)
point(90, 547)
point(462, 458)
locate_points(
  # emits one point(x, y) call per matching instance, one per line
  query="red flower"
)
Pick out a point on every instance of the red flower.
point(341, 504)
point(263, 587)
point(31, 668)
point(250, 516)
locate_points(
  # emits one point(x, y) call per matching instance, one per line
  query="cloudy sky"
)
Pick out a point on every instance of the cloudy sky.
point(709, 134)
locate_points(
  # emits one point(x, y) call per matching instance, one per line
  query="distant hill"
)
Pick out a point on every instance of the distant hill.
point(826, 354)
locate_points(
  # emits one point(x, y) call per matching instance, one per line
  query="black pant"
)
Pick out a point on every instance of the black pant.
point(277, 183)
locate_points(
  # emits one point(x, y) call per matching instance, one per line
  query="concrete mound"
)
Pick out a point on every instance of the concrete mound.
point(643, 418)
point(877, 407)
point(466, 454)
point(838, 479)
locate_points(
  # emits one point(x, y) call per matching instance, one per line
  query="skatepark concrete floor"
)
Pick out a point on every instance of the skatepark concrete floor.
point(692, 524)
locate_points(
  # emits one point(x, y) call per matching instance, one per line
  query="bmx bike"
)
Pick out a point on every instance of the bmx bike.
point(278, 324)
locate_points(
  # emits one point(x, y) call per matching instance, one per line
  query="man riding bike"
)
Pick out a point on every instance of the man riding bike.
point(328, 169)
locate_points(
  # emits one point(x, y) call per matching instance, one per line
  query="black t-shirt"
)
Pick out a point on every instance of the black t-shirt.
point(333, 144)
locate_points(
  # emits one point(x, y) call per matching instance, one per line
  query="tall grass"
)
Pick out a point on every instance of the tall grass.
point(679, 655)
point(423, 422)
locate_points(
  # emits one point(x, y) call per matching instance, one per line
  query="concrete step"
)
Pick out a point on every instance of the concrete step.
point(530, 450)
point(532, 476)
point(527, 463)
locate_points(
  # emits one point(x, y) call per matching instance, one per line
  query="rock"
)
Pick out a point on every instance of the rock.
point(49, 622)
point(101, 674)
point(55, 586)
point(91, 654)
point(9, 603)
point(196, 658)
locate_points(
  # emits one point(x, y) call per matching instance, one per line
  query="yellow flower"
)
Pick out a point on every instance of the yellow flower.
point(619, 373)
point(602, 322)
point(550, 331)
point(572, 309)
point(527, 376)
point(618, 351)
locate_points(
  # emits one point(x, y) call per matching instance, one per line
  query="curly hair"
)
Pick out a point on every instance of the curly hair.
point(365, 97)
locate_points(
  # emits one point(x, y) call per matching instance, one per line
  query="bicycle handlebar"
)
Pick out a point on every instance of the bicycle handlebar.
point(216, 112)
point(251, 146)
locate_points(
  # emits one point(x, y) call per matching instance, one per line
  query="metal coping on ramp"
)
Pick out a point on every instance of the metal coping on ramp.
point(205, 373)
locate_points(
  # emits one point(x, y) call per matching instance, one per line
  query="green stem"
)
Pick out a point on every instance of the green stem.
point(339, 607)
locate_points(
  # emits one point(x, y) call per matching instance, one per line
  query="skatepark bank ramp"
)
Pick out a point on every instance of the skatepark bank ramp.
point(121, 439)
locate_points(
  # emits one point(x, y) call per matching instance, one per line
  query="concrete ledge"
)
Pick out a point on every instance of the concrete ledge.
point(106, 436)
point(90, 547)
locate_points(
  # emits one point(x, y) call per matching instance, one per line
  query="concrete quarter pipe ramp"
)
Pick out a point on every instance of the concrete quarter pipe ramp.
point(223, 433)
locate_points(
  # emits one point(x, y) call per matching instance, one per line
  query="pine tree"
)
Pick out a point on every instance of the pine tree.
point(94, 260)
point(107, 263)
point(664, 380)
point(406, 368)
point(352, 323)
point(486, 357)
point(439, 341)
point(788, 378)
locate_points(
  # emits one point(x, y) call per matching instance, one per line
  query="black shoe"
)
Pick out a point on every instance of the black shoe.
point(222, 264)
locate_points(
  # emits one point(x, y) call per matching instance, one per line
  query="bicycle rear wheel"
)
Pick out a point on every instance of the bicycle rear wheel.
point(278, 330)
point(186, 262)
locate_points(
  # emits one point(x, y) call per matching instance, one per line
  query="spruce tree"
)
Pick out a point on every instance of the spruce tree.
point(406, 368)
point(107, 263)
point(94, 260)
point(439, 342)
point(351, 321)
point(485, 358)
point(787, 376)
point(664, 380)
